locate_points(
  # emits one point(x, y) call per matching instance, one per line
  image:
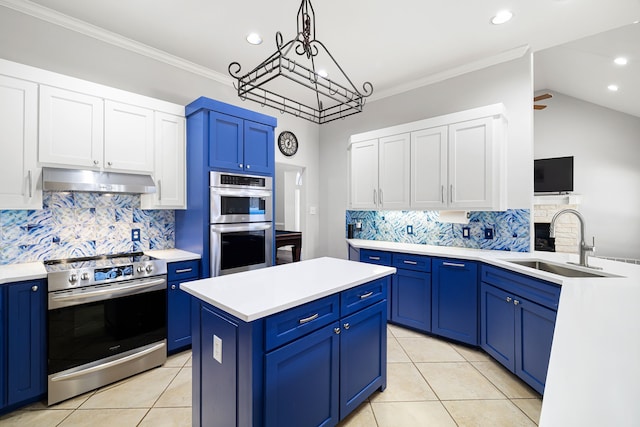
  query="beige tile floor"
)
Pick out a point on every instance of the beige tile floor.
point(430, 382)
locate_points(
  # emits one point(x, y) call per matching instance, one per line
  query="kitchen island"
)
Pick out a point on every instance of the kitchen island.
point(300, 344)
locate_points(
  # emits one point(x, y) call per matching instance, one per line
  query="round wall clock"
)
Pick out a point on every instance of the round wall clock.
point(288, 143)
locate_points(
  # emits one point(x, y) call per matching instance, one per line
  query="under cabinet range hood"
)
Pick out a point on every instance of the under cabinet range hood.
point(56, 179)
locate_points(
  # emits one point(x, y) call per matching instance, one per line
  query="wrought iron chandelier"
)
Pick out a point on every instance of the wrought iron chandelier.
point(324, 99)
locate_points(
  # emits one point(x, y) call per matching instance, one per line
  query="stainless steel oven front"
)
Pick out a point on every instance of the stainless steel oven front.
point(240, 247)
point(237, 198)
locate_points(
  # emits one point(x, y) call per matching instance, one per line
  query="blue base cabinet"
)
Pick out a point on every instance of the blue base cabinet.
point(23, 336)
point(179, 304)
point(518, 316)
point(411, 291)
point(307, 366)
point(455, 300)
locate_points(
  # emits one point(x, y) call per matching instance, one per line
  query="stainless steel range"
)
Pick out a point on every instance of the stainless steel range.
point(106, 321)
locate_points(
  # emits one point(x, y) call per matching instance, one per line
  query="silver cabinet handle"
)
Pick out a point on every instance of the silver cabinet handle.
point(308, 319)
point(173, 286)
point(380, 197)
point(159, 189)
point(30, 183)
point(110, 163)
point(96, 162)
point(367, 295)
point(516, 302)
point(451, 193)
point(184, 270)
point(336, 331)
point(453, 264)
point(442, 193)
point(406, 261)
point(34, 288)
point(346, 326)
point(508, 299)
point(374, 258)
point(375, 202)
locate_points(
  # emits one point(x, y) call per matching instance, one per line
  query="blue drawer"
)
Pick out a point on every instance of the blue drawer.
point(375, 257)
point(183, 270)
point(284, 327)
point(411, 262)
point(544, 293)
point(363, 296)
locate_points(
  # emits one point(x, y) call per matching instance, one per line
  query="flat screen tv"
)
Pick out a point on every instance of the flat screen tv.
point(553, 175)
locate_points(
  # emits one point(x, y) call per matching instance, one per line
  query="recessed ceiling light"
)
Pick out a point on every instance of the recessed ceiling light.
point(621, 60)
point(254, 38)
point(613, 88)
point(502, 17)
point(323, 73)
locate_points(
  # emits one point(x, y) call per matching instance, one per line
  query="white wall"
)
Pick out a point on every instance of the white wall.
point(30, 41)
point(509, 83)
point(606, 149)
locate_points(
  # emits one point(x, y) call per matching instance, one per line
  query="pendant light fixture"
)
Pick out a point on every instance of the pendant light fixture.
point(293, 85)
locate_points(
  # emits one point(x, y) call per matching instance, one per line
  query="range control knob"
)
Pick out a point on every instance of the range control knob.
point(84, 276)
point(73, 277)
point(140, 269)
point(149, 268)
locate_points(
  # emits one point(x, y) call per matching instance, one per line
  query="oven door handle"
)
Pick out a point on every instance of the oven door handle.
point(234, 192)
point(102, 366)
point(230, 228)
point(113, 291)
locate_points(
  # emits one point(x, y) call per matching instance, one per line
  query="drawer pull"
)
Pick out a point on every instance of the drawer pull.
point(410, 262)
point(367, 295)
point(516, 302)
point(184, 270)
point(453, 264)
point(308, 319)
point(375, 258)
point(508, 299)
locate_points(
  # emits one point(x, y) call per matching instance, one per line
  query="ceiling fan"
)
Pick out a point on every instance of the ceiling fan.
point(540, 98)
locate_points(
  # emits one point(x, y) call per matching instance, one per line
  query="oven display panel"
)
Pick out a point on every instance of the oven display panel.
point(112, 272)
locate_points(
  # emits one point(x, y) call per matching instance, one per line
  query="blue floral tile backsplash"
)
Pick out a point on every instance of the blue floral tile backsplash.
point(82, 224)
point(510, 229)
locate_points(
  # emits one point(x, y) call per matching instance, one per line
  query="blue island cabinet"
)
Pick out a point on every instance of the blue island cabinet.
point(310, 365)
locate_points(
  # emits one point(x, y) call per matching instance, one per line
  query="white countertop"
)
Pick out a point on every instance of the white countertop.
point(256, 294)
point(172, 255)
point(20, 272)
point(594, 370)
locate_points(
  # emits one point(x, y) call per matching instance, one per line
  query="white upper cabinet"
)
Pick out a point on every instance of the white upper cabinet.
point(429, 168)
point(456, 162)
point(170, 164)
point(20, 175)
point(71, 128)
point(128, 137)
point(380, 173)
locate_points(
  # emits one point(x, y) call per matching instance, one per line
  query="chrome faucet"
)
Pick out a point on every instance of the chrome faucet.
point(584, 248)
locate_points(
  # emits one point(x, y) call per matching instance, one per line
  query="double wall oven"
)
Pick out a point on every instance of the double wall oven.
point(241, 228)
point(106, 321)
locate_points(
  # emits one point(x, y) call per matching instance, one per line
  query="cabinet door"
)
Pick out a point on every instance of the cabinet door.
point(226, 136)
point(178, 317)
point(18, 139)
point(128, 137)
point(411, 299)
point(306, 367)
point(497, 325)
point(534, 334)
point(71, 128)
point(26, 364)
point(455, 300)
point(364, 175)
point(394, 172)
point(258, 148)
point(429, 168)
point(471, 164)
point(169, 165)
point(363, 356)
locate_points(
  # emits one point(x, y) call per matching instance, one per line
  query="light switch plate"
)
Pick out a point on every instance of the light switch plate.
point(409, 229)
point(135, 235)
point(466, 232)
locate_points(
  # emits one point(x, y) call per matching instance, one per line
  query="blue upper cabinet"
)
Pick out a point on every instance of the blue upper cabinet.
point(259, 154)
point(226, 142)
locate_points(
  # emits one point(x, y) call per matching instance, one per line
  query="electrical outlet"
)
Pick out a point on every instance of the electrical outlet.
point(135, 235)
point(488, 233)
point(358, 225)
point(466, 232)
point(409, 229)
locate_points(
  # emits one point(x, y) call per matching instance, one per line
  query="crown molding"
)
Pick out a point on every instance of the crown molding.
point(506, 56)
point(98, 33)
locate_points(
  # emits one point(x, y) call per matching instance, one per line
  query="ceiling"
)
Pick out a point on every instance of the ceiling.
point(396, 48)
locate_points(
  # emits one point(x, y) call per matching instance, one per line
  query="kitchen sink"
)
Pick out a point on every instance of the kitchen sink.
point(559, 269)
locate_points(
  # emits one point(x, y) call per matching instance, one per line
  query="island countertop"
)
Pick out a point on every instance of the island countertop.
point(259, 293)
